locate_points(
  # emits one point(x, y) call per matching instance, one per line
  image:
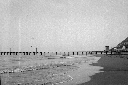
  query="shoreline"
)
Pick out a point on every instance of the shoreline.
point(115, 70)
point(108, 70)
point(84, 72)
point(54, 71)
point(60, 71)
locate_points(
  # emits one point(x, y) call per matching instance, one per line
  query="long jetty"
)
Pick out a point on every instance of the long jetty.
point(65, 53)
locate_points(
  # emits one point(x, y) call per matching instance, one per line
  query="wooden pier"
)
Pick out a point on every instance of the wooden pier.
point(67, 53)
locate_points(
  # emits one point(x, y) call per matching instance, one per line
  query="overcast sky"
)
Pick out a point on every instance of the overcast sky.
point(62, 25)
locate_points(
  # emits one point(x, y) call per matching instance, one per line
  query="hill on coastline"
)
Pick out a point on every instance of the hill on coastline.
point(123, 43)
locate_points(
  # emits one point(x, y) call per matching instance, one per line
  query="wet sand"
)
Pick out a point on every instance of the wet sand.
point(84, 72)
point(115, 71)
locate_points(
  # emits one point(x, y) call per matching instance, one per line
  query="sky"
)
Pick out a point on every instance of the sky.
point(62, 25)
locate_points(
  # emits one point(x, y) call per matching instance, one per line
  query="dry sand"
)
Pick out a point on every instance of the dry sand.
point(115, 71)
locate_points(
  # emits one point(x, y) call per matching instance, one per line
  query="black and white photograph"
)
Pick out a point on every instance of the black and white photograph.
point(63, 42)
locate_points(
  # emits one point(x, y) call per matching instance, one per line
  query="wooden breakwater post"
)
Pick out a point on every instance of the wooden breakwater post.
point(16, 53)
point(56, 53)
point(10, 51)
point(64, 54)
point(82, 53)
point(86, 53)
point(96, 52)
point(27, 53)
point(7, 53)
point(4, 53)
point(73, 53)
point(101, 52)
point(23, 53)
point(36, 51)
point(40, 53)
point(48, 53)
point(77, 53)
point(44, 53)
point(68, 53)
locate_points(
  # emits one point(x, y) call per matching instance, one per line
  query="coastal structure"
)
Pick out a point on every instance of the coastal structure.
point(106, 48)
point(121, 47)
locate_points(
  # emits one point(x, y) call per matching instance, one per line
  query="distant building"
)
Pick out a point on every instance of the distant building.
point(106, 48)
point(123, 48)
point(115, 48)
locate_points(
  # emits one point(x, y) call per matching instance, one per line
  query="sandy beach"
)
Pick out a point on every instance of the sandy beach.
point(73, 70)
point(48, 71)
point(115, 71)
